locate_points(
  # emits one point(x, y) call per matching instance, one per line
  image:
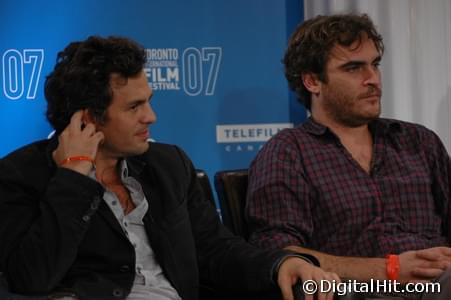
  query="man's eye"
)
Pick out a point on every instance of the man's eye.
point(353, 68)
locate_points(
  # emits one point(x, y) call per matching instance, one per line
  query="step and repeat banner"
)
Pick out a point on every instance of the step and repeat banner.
point(214, 65)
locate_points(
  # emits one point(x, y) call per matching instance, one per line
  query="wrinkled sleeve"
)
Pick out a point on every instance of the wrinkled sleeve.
point(279, 196)
point(40, 230)
point(225, 260)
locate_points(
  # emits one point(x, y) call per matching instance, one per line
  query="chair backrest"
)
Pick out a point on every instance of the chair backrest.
point(231, 187)
point(205, 185)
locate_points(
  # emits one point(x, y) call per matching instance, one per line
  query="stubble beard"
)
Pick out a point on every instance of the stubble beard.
point(113, 150)
point(344, 110)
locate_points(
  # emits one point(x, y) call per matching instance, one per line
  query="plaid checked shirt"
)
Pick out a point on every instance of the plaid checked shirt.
point(305, 189)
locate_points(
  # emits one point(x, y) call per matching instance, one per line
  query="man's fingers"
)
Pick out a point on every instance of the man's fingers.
point(286, 289)
point(438, 253)
point(335, 277)
point(443, 265)
point(318, 277)
point(434, 264)
point(89, 129)
point(427, 272)
point(99, 136)
point(420, 280)
point(445, 251)
point(76, 120)
point(428, 254)
point(332, 277)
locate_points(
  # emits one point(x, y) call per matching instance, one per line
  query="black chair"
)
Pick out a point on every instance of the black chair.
point(205, 185)
point(231, 188)
point(207, 292)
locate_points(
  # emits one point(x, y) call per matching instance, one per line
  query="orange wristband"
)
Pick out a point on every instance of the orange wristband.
point(393, 267)
point(76, 158)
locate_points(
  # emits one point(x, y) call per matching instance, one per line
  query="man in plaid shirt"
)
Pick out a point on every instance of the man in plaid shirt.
point(348, 186)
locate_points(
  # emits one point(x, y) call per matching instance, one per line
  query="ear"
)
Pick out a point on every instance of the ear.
point(87, 117)
point(311, 82)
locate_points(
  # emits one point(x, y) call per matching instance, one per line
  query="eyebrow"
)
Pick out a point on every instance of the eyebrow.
point(140, 101)
point(355, 63)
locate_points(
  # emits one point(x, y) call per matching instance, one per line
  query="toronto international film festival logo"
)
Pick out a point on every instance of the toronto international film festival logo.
point(192, 70)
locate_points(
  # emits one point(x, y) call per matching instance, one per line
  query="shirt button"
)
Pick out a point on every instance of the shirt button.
point(124, 268)
point(94, 205)
point(118, 292)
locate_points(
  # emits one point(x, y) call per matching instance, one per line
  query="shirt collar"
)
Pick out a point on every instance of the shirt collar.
point(385, 126)
point(123, 168)
point(311, 126)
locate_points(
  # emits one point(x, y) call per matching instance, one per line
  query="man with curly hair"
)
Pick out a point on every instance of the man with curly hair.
point(98, 212)
point(369, 196)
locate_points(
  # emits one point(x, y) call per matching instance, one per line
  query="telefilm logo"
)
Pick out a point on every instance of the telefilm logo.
point(191, 70)
point(247, 137)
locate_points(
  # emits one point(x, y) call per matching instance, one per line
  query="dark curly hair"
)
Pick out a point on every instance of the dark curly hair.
point(310, 45)
point(81, 77)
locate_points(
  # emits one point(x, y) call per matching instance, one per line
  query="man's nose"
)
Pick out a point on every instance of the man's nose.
point(149, 115)
point(373, 77)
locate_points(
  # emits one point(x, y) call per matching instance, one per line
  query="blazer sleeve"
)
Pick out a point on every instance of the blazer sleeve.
point(43, 219)
point(225, 260)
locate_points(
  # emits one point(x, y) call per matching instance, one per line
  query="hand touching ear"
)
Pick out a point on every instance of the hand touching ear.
point(78, 144)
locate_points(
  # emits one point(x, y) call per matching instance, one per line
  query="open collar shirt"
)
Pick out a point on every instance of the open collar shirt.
point(305, 189)
point(150, 282)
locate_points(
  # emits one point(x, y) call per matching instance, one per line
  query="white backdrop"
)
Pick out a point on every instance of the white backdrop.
point(416, 67)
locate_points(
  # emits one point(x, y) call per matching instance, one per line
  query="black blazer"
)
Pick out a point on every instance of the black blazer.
point(56, 232)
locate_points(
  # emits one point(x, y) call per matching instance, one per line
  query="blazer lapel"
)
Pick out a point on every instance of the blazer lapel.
point(105, 212)
point(159, 242)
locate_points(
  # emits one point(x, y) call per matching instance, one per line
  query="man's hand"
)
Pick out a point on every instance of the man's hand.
point(424, 265)
point(295, 268)
point(78, 141)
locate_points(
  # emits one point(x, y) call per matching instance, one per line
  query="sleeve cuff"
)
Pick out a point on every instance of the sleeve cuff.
point(276, 266)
